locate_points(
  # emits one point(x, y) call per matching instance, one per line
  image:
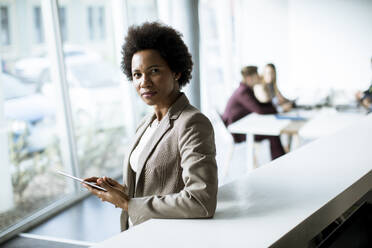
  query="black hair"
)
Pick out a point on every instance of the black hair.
point(164, 39)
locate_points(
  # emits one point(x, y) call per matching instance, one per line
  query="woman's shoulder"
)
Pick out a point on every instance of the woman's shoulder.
point(192, 116)
point(184, 114)
point(194, 129)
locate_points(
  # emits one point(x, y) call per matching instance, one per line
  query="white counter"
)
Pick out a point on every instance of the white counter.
point(283, 204)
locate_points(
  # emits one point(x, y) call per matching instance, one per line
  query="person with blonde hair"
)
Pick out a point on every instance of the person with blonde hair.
point(268, 91)
point(244, 102)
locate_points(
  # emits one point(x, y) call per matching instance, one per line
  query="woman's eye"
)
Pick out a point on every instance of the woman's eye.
point(136, 75)
point(155, 70)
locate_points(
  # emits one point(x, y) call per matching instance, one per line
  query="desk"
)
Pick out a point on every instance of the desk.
point(328, 122)
point(320, 123)
point(284, 204)
point(255, 124)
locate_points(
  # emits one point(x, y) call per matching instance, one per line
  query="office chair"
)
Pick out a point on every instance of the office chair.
point(224, 146)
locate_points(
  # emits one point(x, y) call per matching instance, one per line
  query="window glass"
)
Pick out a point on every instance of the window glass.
point(33, 138)
point(90, 22)
point(39, 31)
point(96, 21)
point(211, 70)
point(30, 135)
point(62, 22)
point(98, 92)
point(101, 22)
point(4, 26)
point(140, 11)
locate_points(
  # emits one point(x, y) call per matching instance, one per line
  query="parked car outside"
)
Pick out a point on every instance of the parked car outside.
point(26, 111)
point(36, 69)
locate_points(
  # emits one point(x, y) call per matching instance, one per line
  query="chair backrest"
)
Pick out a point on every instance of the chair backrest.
point(224, 145)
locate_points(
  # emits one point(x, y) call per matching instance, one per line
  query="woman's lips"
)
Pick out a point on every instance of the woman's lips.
point(149, 94)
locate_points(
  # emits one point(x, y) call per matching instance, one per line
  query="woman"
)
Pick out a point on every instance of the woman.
point(268, 90)
point(171, 170)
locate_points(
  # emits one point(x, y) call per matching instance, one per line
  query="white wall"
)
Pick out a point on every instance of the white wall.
point(314, 43)
point(331, 43)
point(262, 30)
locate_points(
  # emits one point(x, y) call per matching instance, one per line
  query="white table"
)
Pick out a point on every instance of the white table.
point(319, 123)
point(328, 121)
point(255, 124)
point(284, 204)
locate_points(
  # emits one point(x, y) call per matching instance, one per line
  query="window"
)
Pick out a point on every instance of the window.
point(140, 11)
point(97, 95)
point(62, 22)
point(4, 28)
point(38, 25)
point(32, 143)
point(101, 22)
point(34, 137)
point(90, 23)
point(211, 57)
point(96, 22)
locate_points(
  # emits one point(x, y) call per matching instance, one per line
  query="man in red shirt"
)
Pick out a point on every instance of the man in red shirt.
point(243, 102)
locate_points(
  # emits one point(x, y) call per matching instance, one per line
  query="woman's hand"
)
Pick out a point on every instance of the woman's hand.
point(366, 102)
point(116, 193)
point(359, 95)
point(287, 106)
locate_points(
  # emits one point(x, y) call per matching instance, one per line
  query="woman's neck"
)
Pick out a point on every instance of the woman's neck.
point(162, 109)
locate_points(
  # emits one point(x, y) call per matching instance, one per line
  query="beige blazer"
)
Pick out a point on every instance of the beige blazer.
point(177, 172)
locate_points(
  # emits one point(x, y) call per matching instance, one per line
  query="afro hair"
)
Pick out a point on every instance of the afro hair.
point(166, 40)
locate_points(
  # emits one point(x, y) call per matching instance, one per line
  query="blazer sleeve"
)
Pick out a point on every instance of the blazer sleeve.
point(198, 198)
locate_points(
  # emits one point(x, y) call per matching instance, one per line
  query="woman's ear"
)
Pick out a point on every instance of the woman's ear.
point(177, 75)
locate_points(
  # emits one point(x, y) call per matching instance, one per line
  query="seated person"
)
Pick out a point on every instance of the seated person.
point(365, 97)
point(243, 102)
point(267, 90)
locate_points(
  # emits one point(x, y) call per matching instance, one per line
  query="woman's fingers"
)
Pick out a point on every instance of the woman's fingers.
point(101, 182)
point(110, 181)
point(88, 187)
point(96, 192)
point(91, 179)
point(114, 183)
point(113, 195)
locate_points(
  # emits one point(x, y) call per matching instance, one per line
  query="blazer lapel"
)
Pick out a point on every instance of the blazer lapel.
point(127, 172)
point(164, 126)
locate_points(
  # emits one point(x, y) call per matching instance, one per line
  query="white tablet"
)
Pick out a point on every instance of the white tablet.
point(81, 180)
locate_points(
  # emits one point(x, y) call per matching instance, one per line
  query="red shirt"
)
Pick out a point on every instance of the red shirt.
point(241, 103)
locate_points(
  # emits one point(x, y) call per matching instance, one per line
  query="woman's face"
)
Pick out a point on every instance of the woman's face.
point(154, 81)
point(268, 74)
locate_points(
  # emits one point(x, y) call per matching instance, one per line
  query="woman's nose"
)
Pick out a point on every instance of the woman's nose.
point(146, 80)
